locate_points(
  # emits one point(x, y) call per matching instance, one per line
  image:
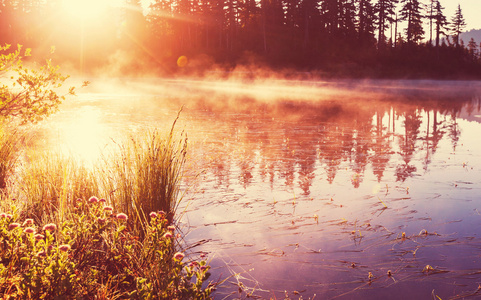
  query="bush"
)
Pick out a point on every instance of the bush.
point(29, 94)
point(94, 255)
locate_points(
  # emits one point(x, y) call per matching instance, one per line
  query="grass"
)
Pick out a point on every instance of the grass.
point(148, 173)
point(121, 246)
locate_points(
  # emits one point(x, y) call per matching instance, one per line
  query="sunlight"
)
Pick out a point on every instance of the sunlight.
point(84, 135)
point(89, 10)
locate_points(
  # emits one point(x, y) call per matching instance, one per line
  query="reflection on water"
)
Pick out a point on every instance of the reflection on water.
point(306, 194)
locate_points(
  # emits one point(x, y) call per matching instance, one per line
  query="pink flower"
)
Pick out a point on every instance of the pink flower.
point(102, 200)
point(101, 220)
point(8, 216)
point(153, 215)
point(29, 230)
point(168, 235)
point(171, 228)
point(108, 208)
point(13, 226)
point(50, 227)
point(39, 236)
point(122, 216)
point(3, 215)
point(27, 222)
point(93, 199)
point(64, 248)
point(179, 255)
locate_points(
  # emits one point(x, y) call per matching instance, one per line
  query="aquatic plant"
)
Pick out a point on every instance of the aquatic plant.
point(145, 176)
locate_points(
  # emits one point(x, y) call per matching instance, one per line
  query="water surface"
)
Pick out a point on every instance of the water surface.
point(307, 188)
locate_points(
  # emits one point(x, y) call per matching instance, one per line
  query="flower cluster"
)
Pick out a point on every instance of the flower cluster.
point(69, 253)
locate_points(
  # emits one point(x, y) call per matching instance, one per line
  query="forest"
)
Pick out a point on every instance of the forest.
point(338, 38)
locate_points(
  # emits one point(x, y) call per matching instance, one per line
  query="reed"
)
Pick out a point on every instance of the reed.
point(146, 175)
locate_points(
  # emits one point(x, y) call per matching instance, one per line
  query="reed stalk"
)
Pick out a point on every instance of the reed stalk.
point(147, 174)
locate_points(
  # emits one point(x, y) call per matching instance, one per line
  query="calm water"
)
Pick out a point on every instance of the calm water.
point(305, 188)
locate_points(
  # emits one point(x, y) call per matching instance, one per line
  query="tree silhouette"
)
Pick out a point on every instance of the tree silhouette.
point(384, 10)
point(440, 21)
point(411, 12)
point(457, 25)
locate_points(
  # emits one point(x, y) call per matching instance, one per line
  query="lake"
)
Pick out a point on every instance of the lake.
point(315, 189)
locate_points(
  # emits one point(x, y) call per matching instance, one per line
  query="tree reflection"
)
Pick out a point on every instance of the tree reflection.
point(301, 143)
point(412, 122)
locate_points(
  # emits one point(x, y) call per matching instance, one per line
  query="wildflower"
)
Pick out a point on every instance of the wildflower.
point(153, 215)
point(29, 230)
point(93, 199)
point(203, 268)
point(64, 248)
point(42, 254)
point(27, 222)
point(108, 208)
point(101, 220)
point(179, 255)
point(50, 227)
point(3, 215)
point(122, 216)
point(39, 236)
point(102, 200)
point(8, 216)
point(168, 235)
point(171, 228)
point(13, 226)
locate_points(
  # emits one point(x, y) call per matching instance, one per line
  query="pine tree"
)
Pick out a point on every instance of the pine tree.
point(366, 21)
point(384, 9)
point(440, 21)
point(473, 49)
point(411, 12)
point(457, 25)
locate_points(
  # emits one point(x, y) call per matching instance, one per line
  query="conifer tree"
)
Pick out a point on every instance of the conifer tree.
point(384, 9)
point(440, 21)
point(411, 12)
point(457, 25)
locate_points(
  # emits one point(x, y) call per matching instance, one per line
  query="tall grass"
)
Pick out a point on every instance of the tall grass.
point(10, 141)
point(146, 174)
point(49, 183)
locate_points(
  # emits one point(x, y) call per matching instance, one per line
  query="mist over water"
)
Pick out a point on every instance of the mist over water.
point(306, 186)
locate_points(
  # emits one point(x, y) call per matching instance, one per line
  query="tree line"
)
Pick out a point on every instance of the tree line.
point(343, 37)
